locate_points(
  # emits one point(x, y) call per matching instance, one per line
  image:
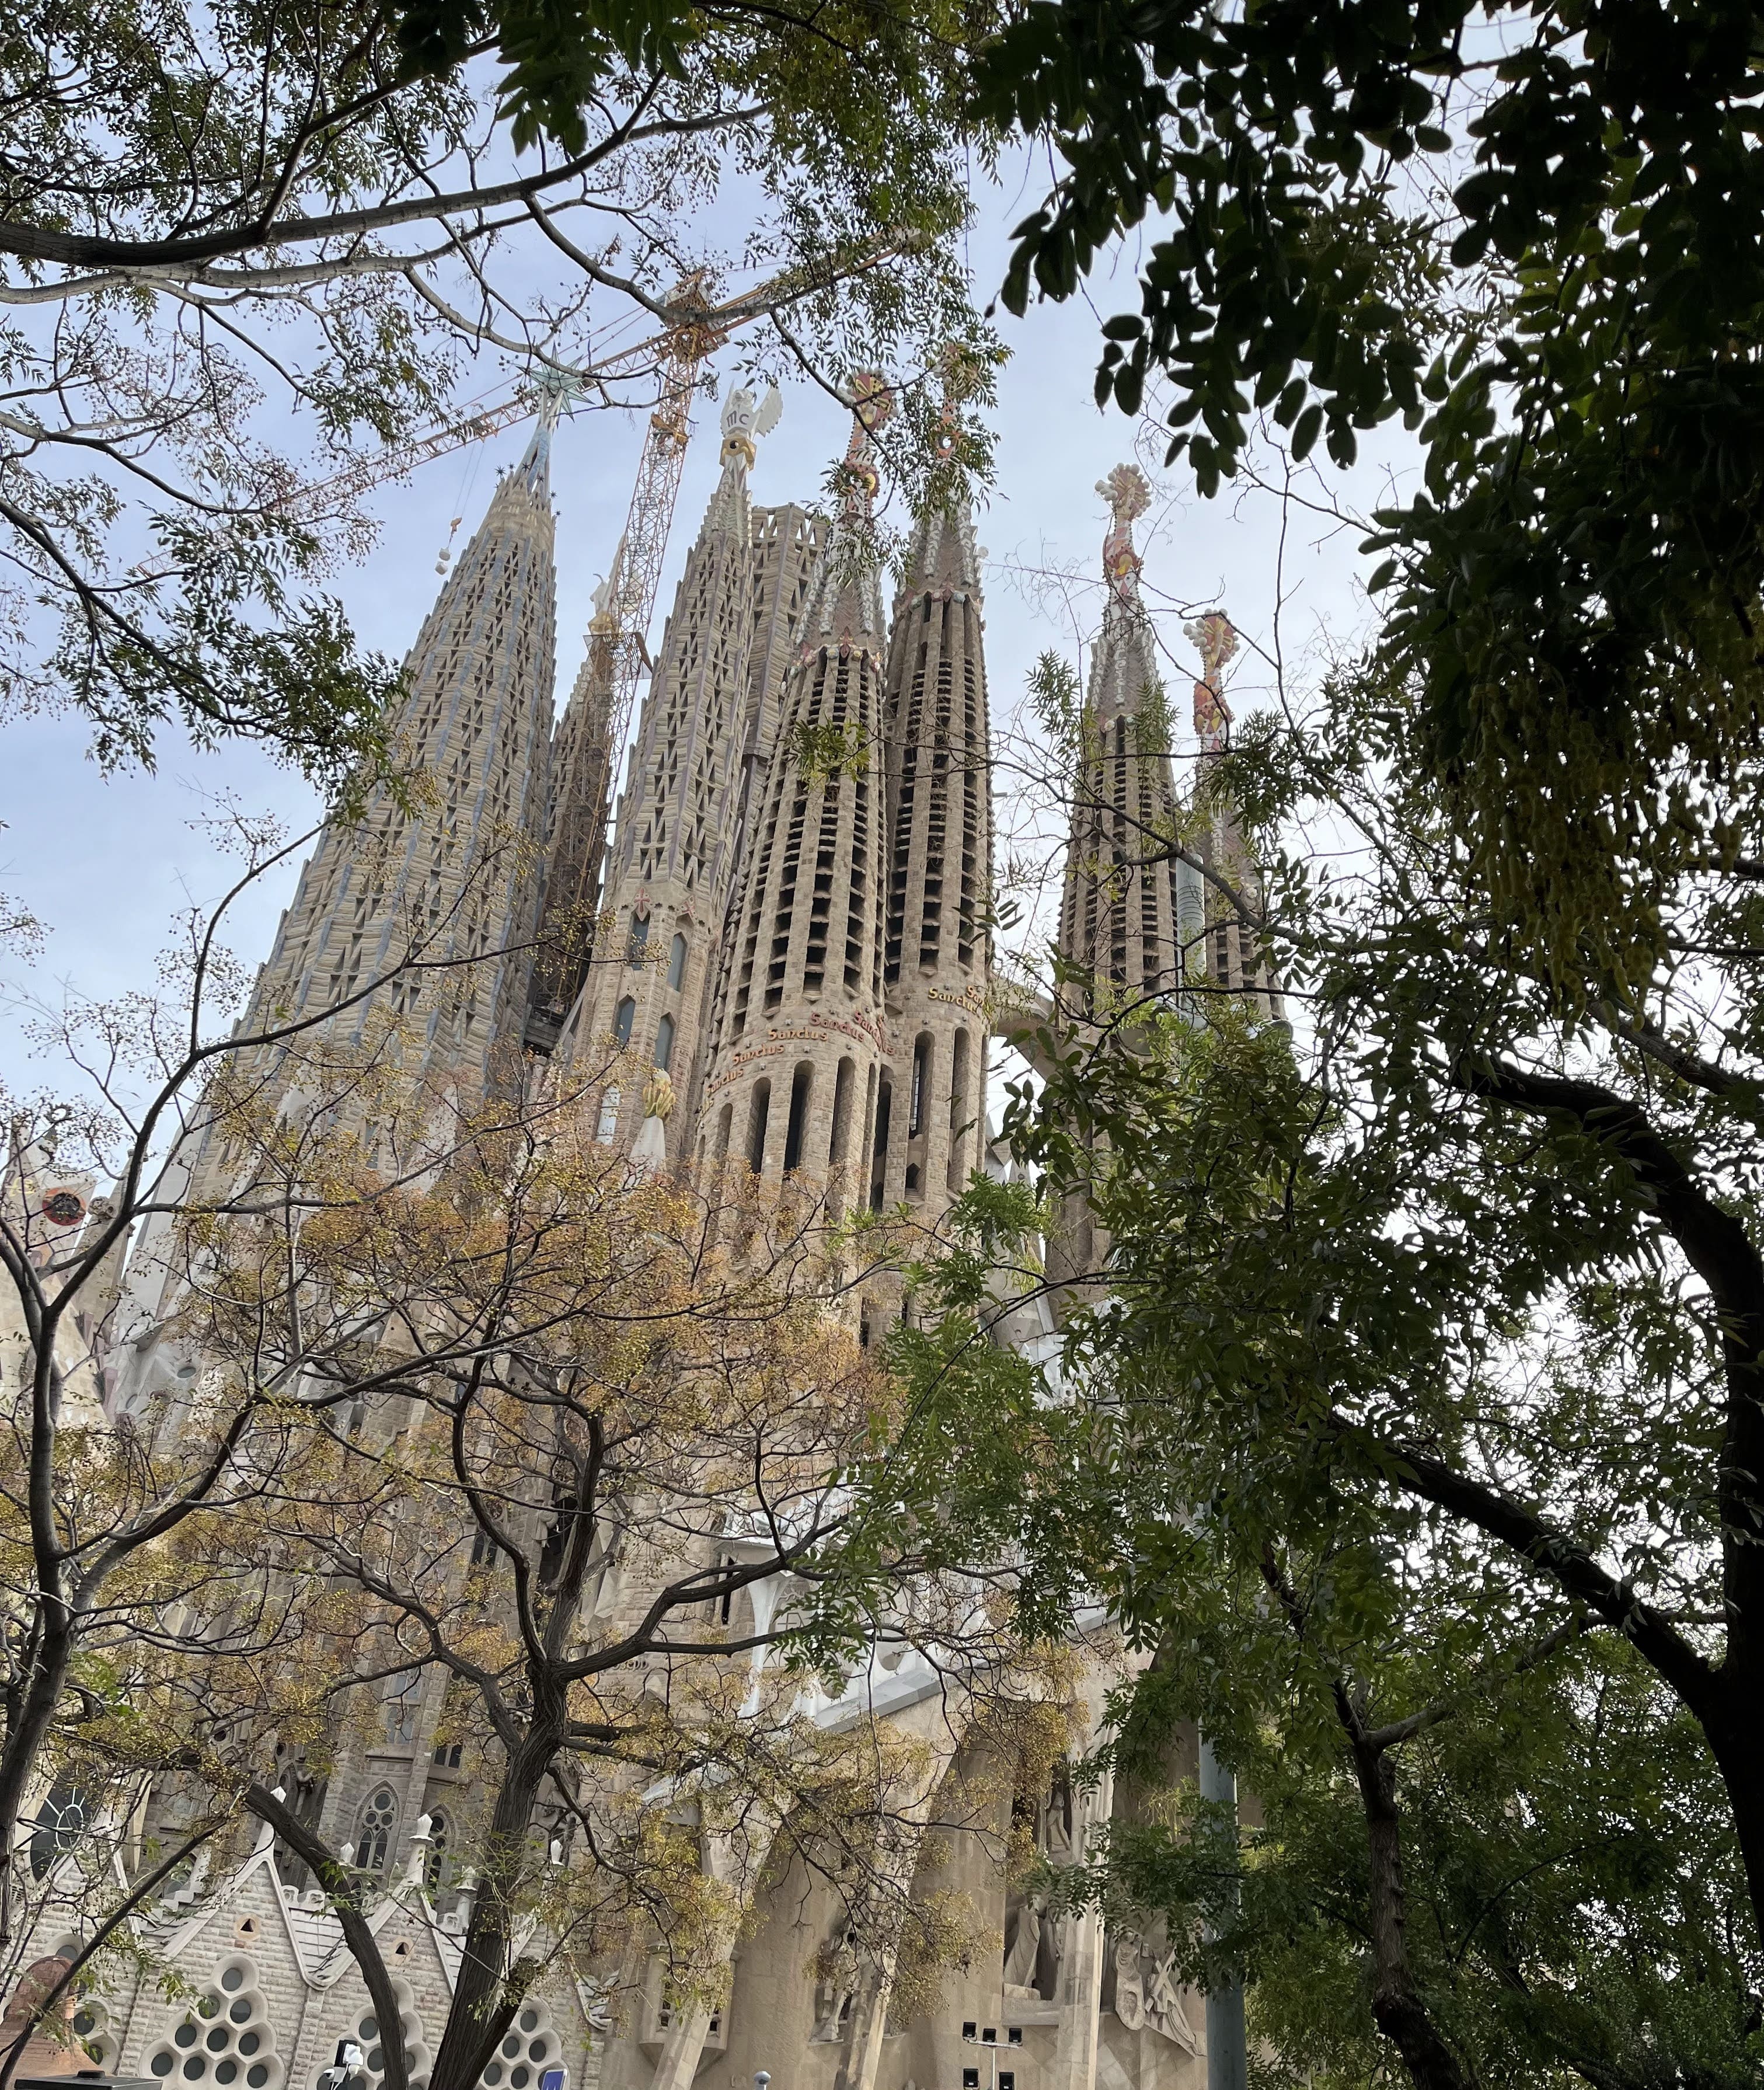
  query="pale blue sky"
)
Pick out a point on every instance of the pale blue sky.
point(106, 862)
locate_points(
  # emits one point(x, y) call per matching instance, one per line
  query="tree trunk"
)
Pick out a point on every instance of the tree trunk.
point(484, 1999)
point(1399, 2013)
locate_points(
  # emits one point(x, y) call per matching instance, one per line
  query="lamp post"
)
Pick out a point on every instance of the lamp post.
point(975, 2034)
point(1227, 2060)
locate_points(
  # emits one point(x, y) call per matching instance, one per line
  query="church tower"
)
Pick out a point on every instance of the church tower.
point(1232, 960)
point(1129, 912)
point(649, 988)
point(793, 1079)
point(936, 951)
point(449, 888)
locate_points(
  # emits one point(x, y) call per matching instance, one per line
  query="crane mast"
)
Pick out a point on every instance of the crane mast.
point(597, 719)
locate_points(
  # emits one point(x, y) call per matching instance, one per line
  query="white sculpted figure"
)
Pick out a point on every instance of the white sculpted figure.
point(1150, 1996)
point(1022, 1948)
point(745, 419)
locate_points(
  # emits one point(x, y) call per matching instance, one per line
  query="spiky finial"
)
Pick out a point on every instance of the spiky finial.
point(872, 404)
point(1128, 497)
point(1215, 640)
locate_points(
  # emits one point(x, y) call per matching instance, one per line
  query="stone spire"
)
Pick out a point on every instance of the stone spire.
point(936, 948)
point(454, 878)
point(793, 1079)
point(1234, 960)
point(1122, 919)
point(647, 994)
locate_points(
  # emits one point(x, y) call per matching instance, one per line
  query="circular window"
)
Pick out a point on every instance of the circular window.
point(519, 2078)
point(226, 2029)
point(416, 2056)
point(493, 2074)
point(529, 2020)
point(510, 2048)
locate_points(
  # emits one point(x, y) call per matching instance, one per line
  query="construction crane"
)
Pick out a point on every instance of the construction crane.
point(678, 350)
point(596, 721)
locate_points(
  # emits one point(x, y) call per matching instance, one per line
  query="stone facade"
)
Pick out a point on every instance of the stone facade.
point(799, 896)
point(456, 878)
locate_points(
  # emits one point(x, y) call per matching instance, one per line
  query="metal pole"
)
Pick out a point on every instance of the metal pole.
point(1226, 2057)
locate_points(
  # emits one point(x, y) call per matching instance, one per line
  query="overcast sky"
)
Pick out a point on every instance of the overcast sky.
point(106, 862)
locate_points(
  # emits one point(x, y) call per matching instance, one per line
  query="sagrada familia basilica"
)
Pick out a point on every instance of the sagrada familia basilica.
point(793, 970)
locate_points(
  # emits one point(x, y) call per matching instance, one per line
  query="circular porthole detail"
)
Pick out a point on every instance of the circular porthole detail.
point(529, 2047)
point(366, 2035)
point(224, 2038)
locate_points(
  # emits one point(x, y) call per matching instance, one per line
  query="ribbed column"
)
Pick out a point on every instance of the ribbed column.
point(937, 946)
point(643, 1008)
point(792, 1079)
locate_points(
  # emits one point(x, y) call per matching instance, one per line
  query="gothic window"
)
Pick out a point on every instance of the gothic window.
point(623, 1016)
point(639, 939)
point(60, 1824)
point(416, 2055)
point(676, 962)
point(608, 1127)
point(530, 2048)
point(438, 1846)
point(373, 1832)
point(664, 1043)
point(404, 1695)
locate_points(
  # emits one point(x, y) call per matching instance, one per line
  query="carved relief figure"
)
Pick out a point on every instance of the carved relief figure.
point(1148, 1995)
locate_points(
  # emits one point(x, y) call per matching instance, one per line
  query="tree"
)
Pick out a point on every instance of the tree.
point(241, 242)
point(1481, 1834)
point(425, 1408)
point(1532, 238)
point(1451, 1285)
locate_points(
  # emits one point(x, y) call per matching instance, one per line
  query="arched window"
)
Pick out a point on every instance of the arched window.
point(664, 1043)
point(607, 1128)
point(639, 946)
point(437, 1851)
point(404, 1705)
point(60, 1824)
point(676, 962)
point(373, 1836)
point(623, 1016)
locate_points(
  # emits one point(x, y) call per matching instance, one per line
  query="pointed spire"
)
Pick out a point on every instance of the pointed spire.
point(943, 558)
point(745, 421)
point(475, 717)
point(1124, 665)
point(844, 609)
point(1128, 497)
point(532, 476)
